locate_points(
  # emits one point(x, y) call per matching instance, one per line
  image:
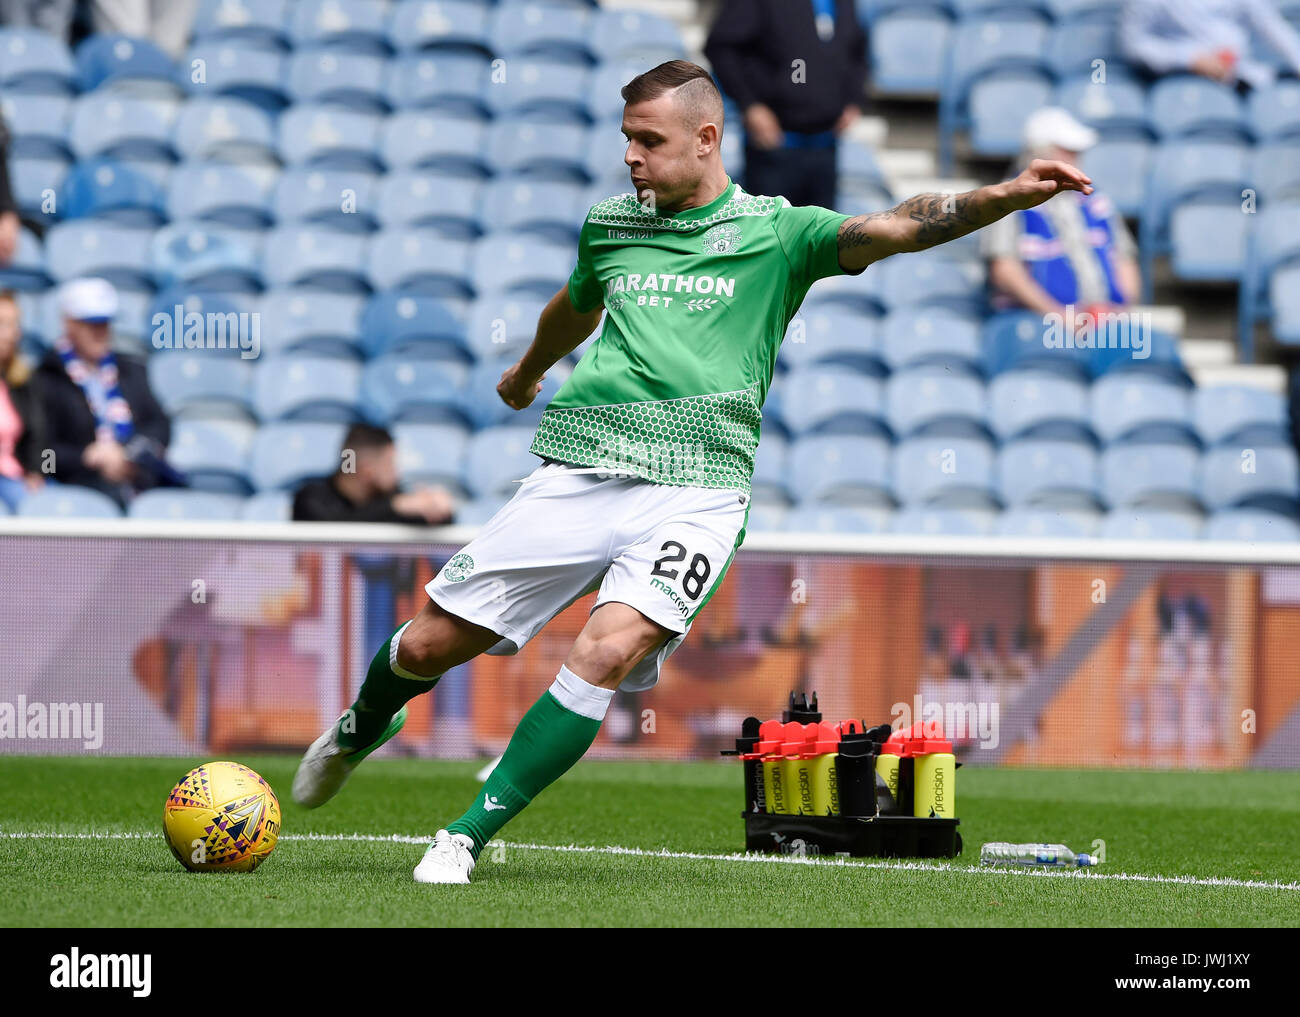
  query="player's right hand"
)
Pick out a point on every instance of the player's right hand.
point(517, 391)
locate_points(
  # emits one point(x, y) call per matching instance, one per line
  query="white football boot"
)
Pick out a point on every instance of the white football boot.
point(326, 765)
point(446, 860)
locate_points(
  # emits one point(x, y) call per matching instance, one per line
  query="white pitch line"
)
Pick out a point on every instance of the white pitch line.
point(755, 858)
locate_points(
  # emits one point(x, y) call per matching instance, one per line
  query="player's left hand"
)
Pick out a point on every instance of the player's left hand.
point(517, 391)
point(1043, 178)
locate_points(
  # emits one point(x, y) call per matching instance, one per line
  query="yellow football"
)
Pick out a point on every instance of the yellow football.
point(221, 817)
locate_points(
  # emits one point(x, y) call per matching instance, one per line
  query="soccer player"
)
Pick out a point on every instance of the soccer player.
point(647, 450)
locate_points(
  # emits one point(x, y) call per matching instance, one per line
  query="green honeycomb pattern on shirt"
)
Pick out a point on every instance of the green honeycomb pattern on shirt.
point(697, 441)
point(625, 210)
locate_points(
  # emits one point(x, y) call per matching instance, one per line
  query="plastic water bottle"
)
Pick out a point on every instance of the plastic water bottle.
point(1041, 855)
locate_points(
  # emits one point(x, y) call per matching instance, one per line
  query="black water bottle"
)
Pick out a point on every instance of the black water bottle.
point(855, 771)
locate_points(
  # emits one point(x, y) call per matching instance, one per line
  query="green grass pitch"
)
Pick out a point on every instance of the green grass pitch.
point(1234, 835)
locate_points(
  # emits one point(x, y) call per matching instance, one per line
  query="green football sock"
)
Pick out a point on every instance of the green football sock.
point(554, 734)
point(387, 688)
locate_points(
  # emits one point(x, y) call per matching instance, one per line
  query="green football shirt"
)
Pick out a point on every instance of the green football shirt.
point(696, 305)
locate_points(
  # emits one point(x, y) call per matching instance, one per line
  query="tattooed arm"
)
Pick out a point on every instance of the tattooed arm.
point(932, 219)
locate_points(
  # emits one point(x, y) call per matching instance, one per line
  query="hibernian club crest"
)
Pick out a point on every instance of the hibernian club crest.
point(722, 239)
point(458, 569)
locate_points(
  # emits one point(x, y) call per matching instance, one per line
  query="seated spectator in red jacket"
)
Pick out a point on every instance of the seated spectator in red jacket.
point(22, 439)
point(105, 427)
point(365, 488)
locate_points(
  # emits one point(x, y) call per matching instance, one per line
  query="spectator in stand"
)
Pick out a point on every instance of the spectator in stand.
point(1073, 249)
point(53, 16)
point(1212, 38)
point(798, 71)
point(105, 427)
point(9, 222)
point(365, 488)
point(166, 22)
point(22, 431)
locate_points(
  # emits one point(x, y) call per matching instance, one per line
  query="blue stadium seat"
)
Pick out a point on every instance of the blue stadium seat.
point(943, 522)
point(1045, 523)
point(1284, 295)
point(38, 125)
point(1000, 103)
point(34, 182)
point(605, 101)
point(358, 26)
point(1251, 525)
point(337, 199)
point(1275, 170)
point(1119, 168)
point(229, 195)
point(258, 22)
point(27, 269)
point(213, 454)
point(1150, 524)
point(1075, 42)
point(120, 254)
point(418, 24)
point(416, 139)
point(68, 501)
point(502, 325)
point(771, 463)
point(267, 507)
point(942, 468)
point(1151, 474)
point(830, 400)
point(453, 83)
point(121, 126)
point(417, 198)
point(226, 129)
point(112, 191)
point(546, 151)
point(240, 70)
point(315, 257)
point(186, 506)
point(833, 519)
point(1232, 413)
point(1264, 476)
point(551, 209)
point(33, 61)
point(839, 469)
point(496, 458)
point(1274, 111)
point(550, 91)
point(635, 35)
point(196, 387)
point(415, 325)
point(1117, 105)
point(332, 138)
point(509, 262)
point(432, 454)
point(105, 61)
point(399, 387)
point(909, 50)
point(931, 396)
point(312, 321)
point(833, 334)
point(205, 257)
point(916, 336)
point(478, 511)
point(932, 279)
point(286, 453)
point(1191, 223)
point(1183, 105)
point(308, 388)
point(1033, 470)
point(543, 30)
point(1129, 406)
point(1026, 401)
point(350, 80)
point(1061, 9)
point(765, 518)
point(419, 261)
point(1126, 344)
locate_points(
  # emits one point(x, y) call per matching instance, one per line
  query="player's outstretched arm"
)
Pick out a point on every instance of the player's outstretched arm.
point(560, 330)
point(932, 219)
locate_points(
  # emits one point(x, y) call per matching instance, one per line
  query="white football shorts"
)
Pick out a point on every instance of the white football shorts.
point(662, 549)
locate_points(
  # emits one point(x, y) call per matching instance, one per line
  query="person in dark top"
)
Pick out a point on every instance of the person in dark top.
point(104, 425)
point(9, 221)
point(364, 490)
point(798, 71)
point(22, 421)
